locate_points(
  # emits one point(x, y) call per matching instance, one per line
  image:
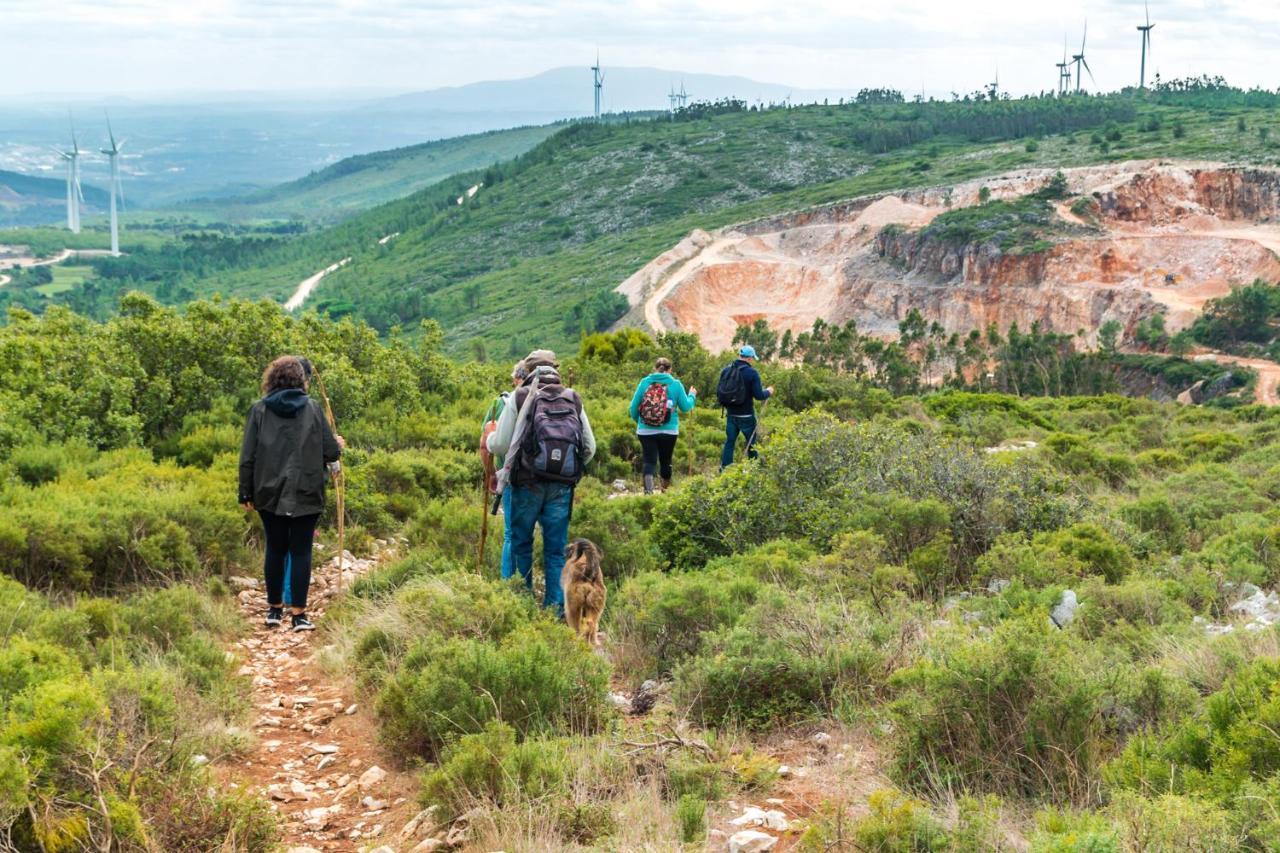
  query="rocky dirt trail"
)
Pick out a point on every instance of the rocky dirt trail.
point(316, 759)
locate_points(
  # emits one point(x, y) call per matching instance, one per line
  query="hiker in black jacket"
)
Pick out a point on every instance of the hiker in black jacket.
point(740, 413)
point(287, 446)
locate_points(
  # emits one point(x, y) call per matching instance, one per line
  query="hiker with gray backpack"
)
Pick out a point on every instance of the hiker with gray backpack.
point(655, 407)
point(738, 389)
point(545, 438)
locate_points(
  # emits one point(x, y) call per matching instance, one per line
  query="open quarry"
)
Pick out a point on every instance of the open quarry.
point(1146, 237)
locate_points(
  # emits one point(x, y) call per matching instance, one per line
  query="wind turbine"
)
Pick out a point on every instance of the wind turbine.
point(116, 190)
point(1146, 46)
point(672, 97)
point(75, 195)
point(1064, 72)
point(1080, 61)
point(683, 95)
point(993, 88)
point(598, 82)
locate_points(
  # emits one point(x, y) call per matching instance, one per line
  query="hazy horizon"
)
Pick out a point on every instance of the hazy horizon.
point(150, 49)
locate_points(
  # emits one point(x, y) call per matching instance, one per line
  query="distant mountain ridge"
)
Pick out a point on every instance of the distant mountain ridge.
point(567, 91)
point(34, 200)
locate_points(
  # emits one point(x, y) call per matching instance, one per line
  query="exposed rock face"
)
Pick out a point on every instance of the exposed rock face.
point(1168, 238)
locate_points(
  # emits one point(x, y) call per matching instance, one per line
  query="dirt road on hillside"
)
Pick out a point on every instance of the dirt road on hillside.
point(309, 284)
point(1267, 391)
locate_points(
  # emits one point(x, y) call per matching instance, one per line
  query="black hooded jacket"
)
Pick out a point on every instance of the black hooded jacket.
point(287, 443)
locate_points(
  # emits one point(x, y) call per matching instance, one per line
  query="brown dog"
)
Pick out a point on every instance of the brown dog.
point(583, 585)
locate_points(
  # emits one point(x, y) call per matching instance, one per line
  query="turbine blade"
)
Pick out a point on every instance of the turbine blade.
point(1085, 36)
point(1147, 7)
point(1087, 68)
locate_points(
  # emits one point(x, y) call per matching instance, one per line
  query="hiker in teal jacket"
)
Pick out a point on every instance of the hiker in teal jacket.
point(657, 417)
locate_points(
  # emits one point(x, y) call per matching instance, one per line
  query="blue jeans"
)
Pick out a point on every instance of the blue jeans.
point(548, 505)
point(508, 567)
point(734, 426)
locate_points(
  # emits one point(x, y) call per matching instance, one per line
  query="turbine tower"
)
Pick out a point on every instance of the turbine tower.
point(75, 195)
point(672, 97)
point(682, 95)
point(116, 190)
point(1064, 71)
point(1146, 46)
point(1079, 60)
point(598, 82)
point(993, 88)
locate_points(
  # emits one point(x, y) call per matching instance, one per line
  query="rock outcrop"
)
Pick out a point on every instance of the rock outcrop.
point(1151, 237)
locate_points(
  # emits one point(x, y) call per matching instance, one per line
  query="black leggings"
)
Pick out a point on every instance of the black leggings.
point(657, 452)
point(292, 535)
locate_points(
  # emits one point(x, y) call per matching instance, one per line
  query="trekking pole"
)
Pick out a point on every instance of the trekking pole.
point(484, 521)
point(689, 443)
point(751, 439)
point(339, 483)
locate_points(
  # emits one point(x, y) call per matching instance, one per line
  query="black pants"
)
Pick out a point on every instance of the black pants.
point(292, 535)
point(658, 450)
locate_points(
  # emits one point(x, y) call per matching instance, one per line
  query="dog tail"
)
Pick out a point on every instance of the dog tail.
point(589, 557)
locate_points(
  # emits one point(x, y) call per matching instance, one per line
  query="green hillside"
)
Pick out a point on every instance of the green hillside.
point(28, 199)
point(534, 256)
point(367, 180)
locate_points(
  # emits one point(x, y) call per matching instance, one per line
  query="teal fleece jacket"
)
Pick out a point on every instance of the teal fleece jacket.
point(675, 393)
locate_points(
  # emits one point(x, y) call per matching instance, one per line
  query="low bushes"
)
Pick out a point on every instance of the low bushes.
point(1018, 713)
point(540, 679)
point(822, 476)
point(1223, 763)
point(118, 519)
point(102, 708)
point(450, 652)
point(786, 660)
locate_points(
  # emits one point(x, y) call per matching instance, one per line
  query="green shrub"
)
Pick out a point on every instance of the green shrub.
point(691, 818)
point(1172, 822)
point(118, 520)
point(787, 659)
point(1066, 831)
point(819, 472)
point(430, 609)
point(896, 823)
point(38, 464)
point(661, 619)
point(491, 766)
point(1016, 713)
point(1225, 756)
point(540, 679)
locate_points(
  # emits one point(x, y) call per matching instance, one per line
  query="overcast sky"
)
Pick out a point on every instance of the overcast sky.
point(68, 47)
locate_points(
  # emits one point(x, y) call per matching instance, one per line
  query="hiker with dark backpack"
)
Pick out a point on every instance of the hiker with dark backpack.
point(546, 439)
point(656, 408)
point(738, 389)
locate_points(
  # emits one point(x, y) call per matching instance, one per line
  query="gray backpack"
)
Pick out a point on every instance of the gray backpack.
point(551, 450)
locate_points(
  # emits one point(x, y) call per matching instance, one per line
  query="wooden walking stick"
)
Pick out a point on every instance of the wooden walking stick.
point(339, 483)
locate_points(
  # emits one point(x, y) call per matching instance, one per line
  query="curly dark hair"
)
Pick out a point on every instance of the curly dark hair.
point(285, 372)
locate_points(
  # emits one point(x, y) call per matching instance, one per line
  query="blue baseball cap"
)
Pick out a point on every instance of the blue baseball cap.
point(747, 351)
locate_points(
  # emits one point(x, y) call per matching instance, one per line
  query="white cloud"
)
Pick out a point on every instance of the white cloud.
point(132, 46)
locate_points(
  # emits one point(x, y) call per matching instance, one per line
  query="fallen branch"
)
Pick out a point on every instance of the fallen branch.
point(675, 739)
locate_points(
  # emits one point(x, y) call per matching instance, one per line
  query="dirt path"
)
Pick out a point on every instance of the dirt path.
point(4, 279)
point(307, 285)
point(316, 759)
point(1267, 392)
